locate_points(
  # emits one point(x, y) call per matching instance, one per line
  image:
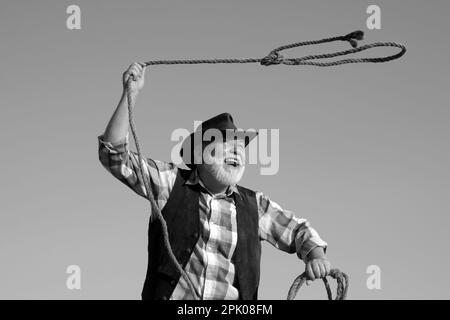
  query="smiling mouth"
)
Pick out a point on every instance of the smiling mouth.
point(232, 162)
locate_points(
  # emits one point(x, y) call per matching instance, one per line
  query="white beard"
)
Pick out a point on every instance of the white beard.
point(223, 173)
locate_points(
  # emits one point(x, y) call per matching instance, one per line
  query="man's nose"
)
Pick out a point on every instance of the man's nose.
point(237, 151)
point(234, 148)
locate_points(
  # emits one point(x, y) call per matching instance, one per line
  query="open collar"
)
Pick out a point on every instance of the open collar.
point(194, 179)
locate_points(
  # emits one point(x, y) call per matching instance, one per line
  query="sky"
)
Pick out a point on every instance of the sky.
point(364, 148)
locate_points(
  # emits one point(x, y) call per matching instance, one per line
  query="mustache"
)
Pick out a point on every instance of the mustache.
point(238, 154)
point(226, 154)
point(239, 158)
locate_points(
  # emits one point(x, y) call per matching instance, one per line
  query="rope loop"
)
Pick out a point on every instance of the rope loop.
point(353, 37)
point(340, 277)
point(274, 57)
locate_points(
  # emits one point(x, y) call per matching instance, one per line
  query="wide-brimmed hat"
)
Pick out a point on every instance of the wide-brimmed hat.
point(223, 123)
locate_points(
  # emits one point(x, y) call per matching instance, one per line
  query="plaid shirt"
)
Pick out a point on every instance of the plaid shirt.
point(210, 267)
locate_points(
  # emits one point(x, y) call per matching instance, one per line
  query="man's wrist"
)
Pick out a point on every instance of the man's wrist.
point(316, 253)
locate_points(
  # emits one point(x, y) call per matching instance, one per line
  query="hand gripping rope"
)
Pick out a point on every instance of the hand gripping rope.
point(341, 279)
point(273, 58)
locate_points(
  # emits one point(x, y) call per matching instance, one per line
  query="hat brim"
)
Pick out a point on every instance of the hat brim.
point(187, 157)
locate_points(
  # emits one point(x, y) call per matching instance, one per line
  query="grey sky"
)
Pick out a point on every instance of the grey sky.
point(364, 149)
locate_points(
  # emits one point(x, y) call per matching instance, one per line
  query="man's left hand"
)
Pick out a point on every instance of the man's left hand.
point(317, 269)
point(317, 265)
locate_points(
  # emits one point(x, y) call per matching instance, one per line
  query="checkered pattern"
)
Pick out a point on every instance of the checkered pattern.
point(210, 266)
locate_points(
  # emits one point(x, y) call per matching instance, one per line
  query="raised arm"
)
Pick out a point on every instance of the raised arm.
point(120, 161)
point(117, 128)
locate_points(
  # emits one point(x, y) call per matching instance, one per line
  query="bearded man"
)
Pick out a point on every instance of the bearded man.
point(215, 225)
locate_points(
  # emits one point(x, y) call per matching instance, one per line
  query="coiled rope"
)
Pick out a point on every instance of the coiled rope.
point(341, 279)
point(273, 58)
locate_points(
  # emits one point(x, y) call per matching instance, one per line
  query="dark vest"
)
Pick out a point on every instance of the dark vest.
point(181, 213)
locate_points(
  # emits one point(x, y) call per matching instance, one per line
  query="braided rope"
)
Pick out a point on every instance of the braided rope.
point(154, 207)
point(341, 279)
point(272, 58)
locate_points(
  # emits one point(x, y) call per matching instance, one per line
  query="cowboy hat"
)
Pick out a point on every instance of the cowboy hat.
point(222, 123)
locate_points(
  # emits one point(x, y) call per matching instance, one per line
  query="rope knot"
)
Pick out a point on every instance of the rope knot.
point(353, 37)
point(272, 58)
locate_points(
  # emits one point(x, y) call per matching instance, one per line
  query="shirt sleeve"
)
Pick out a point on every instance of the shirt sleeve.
point(122, 163)
point(284, 230)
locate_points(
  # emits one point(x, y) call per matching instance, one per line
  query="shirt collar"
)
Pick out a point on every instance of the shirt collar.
point(194, 179)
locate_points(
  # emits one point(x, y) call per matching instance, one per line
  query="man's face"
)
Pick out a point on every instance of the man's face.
point(225, 160)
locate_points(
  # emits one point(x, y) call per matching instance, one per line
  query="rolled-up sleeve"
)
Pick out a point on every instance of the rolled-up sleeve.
point(284, 230)
point(122, 163)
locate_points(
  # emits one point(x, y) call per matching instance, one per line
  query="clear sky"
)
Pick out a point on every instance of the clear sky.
point(364, 149)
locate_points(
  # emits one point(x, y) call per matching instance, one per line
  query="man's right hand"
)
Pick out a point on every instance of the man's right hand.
point(135, 74)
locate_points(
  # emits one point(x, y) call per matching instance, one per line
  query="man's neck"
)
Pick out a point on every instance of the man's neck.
point(211, 183)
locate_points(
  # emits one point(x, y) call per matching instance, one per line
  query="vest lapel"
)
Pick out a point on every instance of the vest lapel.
point(248, 250)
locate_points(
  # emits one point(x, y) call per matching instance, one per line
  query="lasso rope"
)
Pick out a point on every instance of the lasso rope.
point(272, 58)
point(275, 58)
point(341, 279)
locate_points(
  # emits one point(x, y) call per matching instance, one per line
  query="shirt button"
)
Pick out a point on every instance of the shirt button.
point(163, 298)
point(173, 282)
point(195, 235)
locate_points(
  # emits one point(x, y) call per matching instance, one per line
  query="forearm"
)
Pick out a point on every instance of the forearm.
point(117, 127)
